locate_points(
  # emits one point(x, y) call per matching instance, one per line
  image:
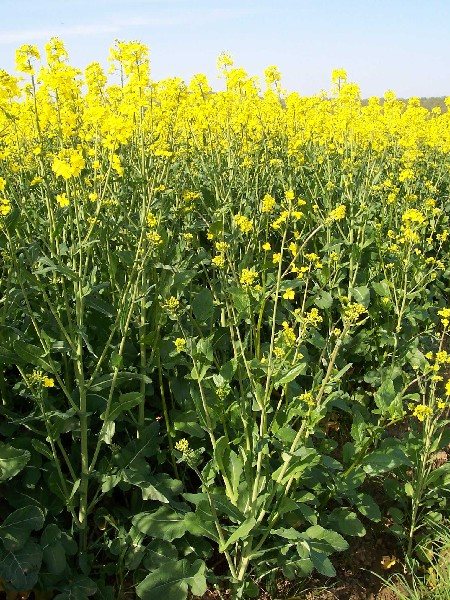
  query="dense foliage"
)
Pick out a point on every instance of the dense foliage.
point(223, 327)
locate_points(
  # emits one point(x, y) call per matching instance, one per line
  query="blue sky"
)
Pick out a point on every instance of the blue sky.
point(402, 45)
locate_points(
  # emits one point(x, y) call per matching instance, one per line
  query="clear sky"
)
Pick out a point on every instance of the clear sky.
point(402, 45)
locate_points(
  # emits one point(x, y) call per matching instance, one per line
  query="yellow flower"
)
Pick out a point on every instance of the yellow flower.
point(171, 305)
point(221, 246)
point(288, 334)
point(248, 277)
point(338, 213)
point(289, 195)
point(154, 238)
point(180, 344)
point(62, 200)
point(447, 388)
point(218, 261)
point(182, 446)
point(445, 314)
point(24, 57)
point(48, 382)
point(267, 204)
point(313, 318)
point(413, 215)
point(353, 312)
point(422, 411)
point(68, 163)
point(243, 223)
point(5, 207)
point(2, 184)
point(308, 398)
point(266, 247)
point(151, 220)
point(289, 294)
point(276, 258)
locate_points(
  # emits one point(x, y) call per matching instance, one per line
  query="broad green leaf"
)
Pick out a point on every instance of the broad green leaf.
point(159, 553)
point(81, 588)
point(21, 568)
point(303, 459)
point(171, 581)
point(54, 553)
point(361, 295)
point(104, 382)
point(164, 524)
point(240, 533)
point(42, 448)
point(51, 266)
point(385, 395)
point(125, 402)
point(381, 288)
point(322, 564)
point(291, 374)
point(31, 355)
point(235, 471)
point(334, 539)
point(288, 533)
point(347, 522)
point(368, 507)
point(325, 300)
point(17, 527)
point(199, 527)
point(12, 461)
point(384, 460)
point(203, 305)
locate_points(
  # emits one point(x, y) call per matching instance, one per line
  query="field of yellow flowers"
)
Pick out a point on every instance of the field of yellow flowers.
point(224, 329)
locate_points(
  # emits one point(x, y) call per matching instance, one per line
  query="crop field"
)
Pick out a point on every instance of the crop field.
point(224, 333)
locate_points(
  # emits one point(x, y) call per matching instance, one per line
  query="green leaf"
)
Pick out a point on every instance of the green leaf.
point(368, 507)
point(197, 525)
point(240, 533)
point(31, 355)
point(288, 533)
point(42, 448)
point(325, 300)
point(361, 294)
point(228, 467)
point(164, 524)
point(334, 539)
point(385, 395)
point(124, 403)
point(159, 553)
point(54, 553)
point(384, 460)
point(171, 581)
point(17, 527)
point(12, 461)
point(51, 266)
point(303, 459)
point(235, 471)
point(21, 568)
point(322, 564)
point(291, 374)
point(79, 589)
point(347, 522)
point(381, 288)
point(104, 382)
point(95, 302)
point(203, 305)
point(225, 507)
